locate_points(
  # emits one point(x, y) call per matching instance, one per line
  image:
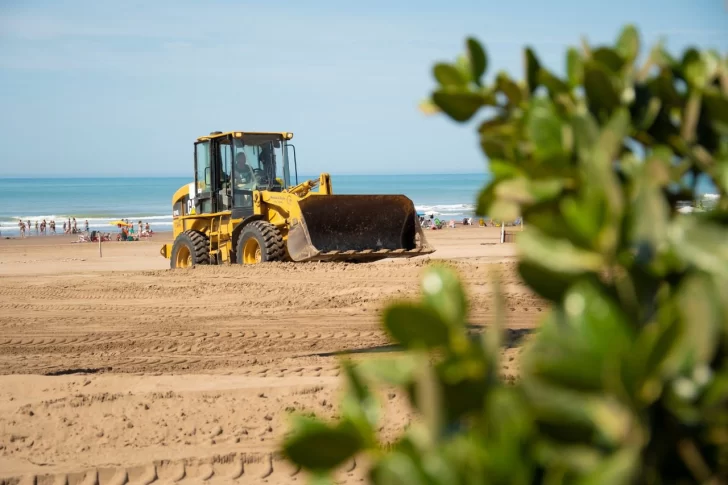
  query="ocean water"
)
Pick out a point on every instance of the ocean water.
point(101, 200)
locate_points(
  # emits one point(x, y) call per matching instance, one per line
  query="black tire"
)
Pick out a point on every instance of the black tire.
point(269, 240)
point(195, 244)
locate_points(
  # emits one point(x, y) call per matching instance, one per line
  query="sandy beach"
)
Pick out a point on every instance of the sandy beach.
point(115, 369)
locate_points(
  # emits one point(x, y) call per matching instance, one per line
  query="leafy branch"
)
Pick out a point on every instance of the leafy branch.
point(626, 379)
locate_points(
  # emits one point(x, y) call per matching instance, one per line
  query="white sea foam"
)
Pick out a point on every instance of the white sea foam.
point(446, 210)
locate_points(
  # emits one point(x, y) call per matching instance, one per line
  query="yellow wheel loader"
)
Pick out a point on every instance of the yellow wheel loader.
point(244, 208)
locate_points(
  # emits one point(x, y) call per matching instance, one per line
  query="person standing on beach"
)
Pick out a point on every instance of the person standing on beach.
point(69, 226)
point(86, 225)
point(75, 226)
point(36, 228)
point(21, 228)
point(140, 228)
point(53, 226)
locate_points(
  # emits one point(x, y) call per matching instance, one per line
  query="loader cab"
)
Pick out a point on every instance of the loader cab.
point(229, 167)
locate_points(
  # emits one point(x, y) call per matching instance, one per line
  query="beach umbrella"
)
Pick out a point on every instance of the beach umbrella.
point(120, 223)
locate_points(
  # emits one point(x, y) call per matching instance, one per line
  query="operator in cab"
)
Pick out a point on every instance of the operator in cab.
point(244, 177)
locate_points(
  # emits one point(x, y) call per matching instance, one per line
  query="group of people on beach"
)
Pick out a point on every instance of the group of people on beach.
point(128, 234)
point(43, 227)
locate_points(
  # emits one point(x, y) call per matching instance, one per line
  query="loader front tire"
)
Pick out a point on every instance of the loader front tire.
point(260, 242)
point(189, 249)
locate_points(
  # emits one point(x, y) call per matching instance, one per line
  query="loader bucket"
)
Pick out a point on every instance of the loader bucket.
point(356, 227)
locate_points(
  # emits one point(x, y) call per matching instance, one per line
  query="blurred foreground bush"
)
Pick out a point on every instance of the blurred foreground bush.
point(626, 379)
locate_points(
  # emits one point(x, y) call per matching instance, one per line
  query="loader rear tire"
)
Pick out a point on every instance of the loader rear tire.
point(191, 248)
point(260, 242)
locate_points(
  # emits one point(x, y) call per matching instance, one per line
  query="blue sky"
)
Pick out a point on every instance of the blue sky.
point(123, 88)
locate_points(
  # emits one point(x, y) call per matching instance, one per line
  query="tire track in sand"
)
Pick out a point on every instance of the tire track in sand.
point(233, 468)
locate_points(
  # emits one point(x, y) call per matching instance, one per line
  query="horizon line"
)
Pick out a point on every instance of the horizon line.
point(66, 177)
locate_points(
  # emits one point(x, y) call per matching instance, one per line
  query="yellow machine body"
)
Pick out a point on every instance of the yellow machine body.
point(295, 223)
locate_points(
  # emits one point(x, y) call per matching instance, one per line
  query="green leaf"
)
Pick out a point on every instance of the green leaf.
point(584, 216)
point(620, 468)
point(698, 308)
point(601, 94)
point(533, 66)
point(464, 382)
point(608, 58)
point(720, 173)
point(628, 43)
point(591, 334)
point(549, 284)
point(597, 318)
point(315, 445)
point(320, 478)
point(497, 138)
point(663, 86)
point(442, 291)
point(586, 135)
point(545, 130)
point(525, 192)
point(462, 63)
point(561, 411)
point(448, 75)
point(601, 177)
point(574, 67)
point(650, 113)
point(561, 456)
point(716, 106)
point(650, 210)
point(509, 416)
point(459, 105)
point(397, 468)
point(501, 210)
point(485, 200)
point(478, 59)
point(361, 397)
point(712, 61)
point(651, 359)
point(557, 255)
point(398, 371)
point(509, 426)
point(554, 85)
point(415, 326)
point(716, 394)
point(428, 398)
point(700, 243)
point(509, 88)
point(502, 169)
point(695, 69)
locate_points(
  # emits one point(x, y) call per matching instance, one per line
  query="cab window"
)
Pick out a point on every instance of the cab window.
point(202, 164)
